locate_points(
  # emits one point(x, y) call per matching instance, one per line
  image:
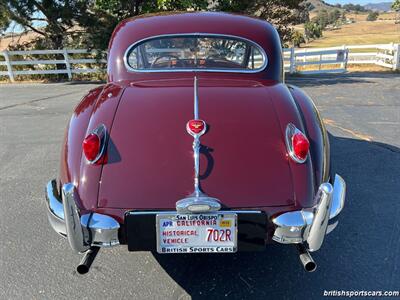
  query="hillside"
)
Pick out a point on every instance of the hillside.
point(380, 7)
point(319, 5)
point(14, 39)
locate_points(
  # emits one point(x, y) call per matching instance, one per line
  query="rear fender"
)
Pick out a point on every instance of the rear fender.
point(71, 150)
point(288, 112)
point(317, 134)
point(97, 107)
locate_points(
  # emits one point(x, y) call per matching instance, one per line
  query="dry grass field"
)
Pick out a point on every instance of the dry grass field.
point(382, 31)
point(362, 32)
point(17, 39)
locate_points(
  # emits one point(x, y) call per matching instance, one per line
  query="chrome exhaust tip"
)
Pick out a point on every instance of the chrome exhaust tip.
point(87, 260)
point(305, 258)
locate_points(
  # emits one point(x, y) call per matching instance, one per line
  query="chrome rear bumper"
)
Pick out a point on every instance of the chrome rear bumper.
point(95, 229)
point(309, 226)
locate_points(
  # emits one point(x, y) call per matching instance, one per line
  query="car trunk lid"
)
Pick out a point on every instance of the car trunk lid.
point(243, 159)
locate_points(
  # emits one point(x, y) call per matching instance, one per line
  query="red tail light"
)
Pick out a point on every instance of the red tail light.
point(297, 144)
point(93, 145)
point(300, 145)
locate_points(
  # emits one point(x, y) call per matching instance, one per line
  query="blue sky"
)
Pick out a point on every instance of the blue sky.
point(362, 2)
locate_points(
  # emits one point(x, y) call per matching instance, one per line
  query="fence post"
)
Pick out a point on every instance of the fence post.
point(292, 67)
point(67, 64)
point(343, 65)
point(9, 66)
point(396, 57)
point(320, 62)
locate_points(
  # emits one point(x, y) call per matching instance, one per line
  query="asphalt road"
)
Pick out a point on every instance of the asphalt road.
point(362, 113)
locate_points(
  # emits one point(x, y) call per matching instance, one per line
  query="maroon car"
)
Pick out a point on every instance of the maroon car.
point(195, 145)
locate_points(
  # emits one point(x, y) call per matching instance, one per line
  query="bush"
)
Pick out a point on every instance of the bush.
point(334, 16)
point(372, 16)
point(312, 30)
point(298, 39)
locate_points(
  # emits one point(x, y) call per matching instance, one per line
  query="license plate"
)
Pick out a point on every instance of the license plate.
point(196, 233)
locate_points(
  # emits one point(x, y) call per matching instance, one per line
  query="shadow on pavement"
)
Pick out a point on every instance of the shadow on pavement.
point(331, 79)
point(361, 254)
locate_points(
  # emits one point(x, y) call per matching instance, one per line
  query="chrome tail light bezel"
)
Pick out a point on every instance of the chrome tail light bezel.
point(101, 132)
point(291, 130)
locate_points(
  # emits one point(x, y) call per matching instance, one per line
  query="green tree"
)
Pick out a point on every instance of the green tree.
point(298, 39)
point(60, 17)
point(280, 13)
point(90, 23)
point(302, 14)
point(396, 5)
point(4, 16)
point(81, 22)
point(372, 16)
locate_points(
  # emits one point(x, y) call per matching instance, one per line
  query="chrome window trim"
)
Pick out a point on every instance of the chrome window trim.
point(198, 34)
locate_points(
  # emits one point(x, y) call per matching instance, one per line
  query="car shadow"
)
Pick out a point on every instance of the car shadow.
point(331, 79)
point(361, 254)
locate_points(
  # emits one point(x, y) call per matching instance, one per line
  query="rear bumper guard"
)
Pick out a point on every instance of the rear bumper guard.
point(309, 226)
point(82, 231)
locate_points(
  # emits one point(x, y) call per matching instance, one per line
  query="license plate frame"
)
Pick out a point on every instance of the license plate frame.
point(197, 243)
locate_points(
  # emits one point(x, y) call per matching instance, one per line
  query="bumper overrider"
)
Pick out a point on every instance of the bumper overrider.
point(86, 233)
point(82, 231)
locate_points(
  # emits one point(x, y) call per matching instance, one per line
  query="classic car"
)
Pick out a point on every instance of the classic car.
point(195, 145)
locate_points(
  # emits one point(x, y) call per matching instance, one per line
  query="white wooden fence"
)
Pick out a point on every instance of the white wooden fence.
point(296, 60)
point(336, 59)
point(85, 63)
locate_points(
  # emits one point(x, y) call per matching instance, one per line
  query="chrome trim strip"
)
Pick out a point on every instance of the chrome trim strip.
point(196, 98)
point(130, 69)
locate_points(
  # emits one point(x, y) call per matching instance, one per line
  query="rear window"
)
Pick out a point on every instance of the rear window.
point(196, 52)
